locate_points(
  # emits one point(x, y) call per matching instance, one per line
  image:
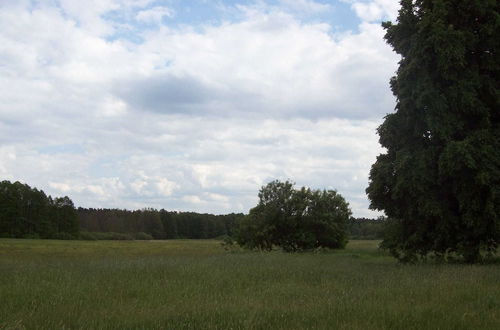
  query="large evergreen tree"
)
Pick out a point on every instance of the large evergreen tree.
point(439, 180)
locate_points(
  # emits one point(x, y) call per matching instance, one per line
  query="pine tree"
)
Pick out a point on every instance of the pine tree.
point(439, 180)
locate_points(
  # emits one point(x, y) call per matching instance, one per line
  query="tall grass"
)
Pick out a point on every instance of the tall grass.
point(196, 284)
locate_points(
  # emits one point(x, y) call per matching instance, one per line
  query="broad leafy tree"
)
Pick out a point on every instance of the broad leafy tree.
point(295, 220)
point(439, 180)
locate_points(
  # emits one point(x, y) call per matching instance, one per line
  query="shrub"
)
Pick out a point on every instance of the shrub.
point(143, 236)
point(87, 236)
point(113, 236)
point(63, 236)
point(31, 236)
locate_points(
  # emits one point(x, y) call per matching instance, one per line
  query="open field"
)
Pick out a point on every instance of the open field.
point(188, 284)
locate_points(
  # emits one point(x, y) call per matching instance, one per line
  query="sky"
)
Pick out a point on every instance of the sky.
point(192, 105)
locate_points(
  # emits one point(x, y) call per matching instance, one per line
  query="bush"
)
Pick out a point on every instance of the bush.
point(87, 236)
point(227, 243)
point(64, 236)
point(31, 236)
point(143, 236)
point(110, 236)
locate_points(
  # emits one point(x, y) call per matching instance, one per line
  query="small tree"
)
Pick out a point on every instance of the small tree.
point(295, 220)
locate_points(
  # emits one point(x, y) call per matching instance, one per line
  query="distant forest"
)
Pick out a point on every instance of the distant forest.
point(160, 224)
point(27, 212)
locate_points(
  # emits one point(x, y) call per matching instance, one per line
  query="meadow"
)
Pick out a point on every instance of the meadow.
point(197, 284)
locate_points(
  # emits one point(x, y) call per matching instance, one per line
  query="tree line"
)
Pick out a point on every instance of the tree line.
point(27, 212)
point(158, 224)
point(366, 228)
point(163, 224)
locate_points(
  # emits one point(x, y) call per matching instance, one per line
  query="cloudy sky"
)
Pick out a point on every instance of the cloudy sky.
point(192, 104)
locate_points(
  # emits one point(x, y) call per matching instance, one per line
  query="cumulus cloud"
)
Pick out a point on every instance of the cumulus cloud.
point(188, 118)
point(376, 10)
point(154, 15)
point(164, 93)
point(251, 66)
point(222, 163)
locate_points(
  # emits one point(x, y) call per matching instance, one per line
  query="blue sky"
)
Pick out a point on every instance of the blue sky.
point(199, 13)
point(192, 105)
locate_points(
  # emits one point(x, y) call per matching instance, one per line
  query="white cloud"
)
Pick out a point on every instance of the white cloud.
point(368, 11)
point(190, 119)
point(88, 14)
point(154, 15)
point(113, 107)
point(138, 186)
point(166, 187)
point(252, 66)
point(7, 158)
point(59, 186)
point(101, 190)
point(376, 10)
point(192, 199)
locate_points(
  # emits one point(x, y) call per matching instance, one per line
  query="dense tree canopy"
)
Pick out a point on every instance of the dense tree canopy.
point(364, 228)
point(439, 180)
point(295, 219)
point(160, 224)
point(28, 212)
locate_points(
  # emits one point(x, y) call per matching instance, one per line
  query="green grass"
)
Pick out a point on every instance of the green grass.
point(196, 284)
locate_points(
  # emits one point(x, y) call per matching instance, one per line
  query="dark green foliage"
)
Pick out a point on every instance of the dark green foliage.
point(152, 223)
point(65, 216)
point(62, 236)
point(295, 220)
point(169, 222)
point(143, 236)
point(111, 236)
point(228, 243)
point(157, 224)
point(87, 236)
point(440, 178)
point(108, 236)
point(26, 212)
point(363, 228)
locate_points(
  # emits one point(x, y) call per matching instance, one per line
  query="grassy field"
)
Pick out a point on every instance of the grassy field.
point(185, 284)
